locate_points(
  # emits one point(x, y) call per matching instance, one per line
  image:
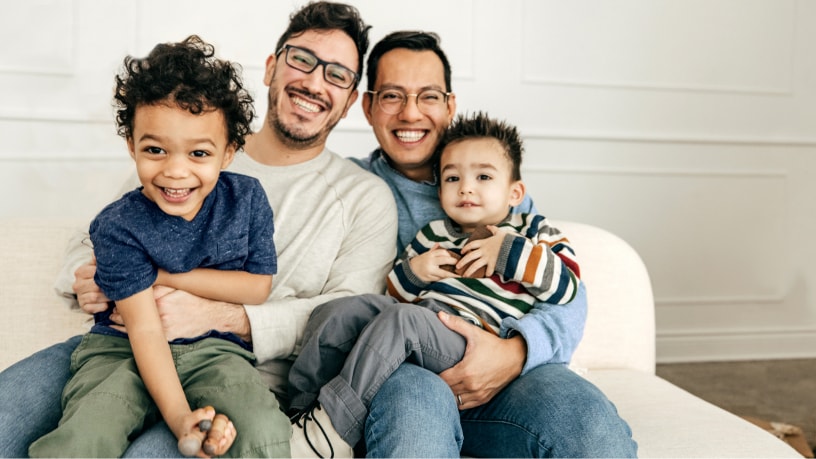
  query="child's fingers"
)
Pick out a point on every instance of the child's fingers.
point(190, 444)
point(200, 420)
point(220, 436)
point(478, 269)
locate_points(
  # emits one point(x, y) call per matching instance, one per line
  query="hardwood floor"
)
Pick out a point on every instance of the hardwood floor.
point(773, 390)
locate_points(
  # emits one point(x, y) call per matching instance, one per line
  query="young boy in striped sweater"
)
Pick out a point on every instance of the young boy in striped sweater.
point(351, 345)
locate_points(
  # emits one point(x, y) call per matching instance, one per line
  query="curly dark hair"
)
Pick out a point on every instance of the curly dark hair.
point(188, 74)
point(330, 16)
point(480, 125)
point(406, 39)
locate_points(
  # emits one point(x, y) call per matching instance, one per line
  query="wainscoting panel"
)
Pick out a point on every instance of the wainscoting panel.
point(662, 53)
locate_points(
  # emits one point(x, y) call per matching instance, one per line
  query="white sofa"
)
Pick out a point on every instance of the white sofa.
point(617, 352)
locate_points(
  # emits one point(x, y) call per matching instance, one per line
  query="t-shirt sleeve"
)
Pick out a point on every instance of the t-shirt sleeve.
point(262, 257)
point(122, 265)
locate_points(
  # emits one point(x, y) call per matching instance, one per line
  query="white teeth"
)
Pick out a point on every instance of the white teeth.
point(410, 136)
point(306, 105)
point(176, 192)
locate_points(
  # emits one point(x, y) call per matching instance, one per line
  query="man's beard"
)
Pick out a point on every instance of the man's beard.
point(292, 137)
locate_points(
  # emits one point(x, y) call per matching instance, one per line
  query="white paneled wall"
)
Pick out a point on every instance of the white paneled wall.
point(687, 127)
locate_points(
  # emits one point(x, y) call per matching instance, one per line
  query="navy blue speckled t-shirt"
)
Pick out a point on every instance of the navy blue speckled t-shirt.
point(133, 238)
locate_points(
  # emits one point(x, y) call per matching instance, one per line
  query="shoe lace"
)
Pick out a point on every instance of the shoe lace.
point(302, 417)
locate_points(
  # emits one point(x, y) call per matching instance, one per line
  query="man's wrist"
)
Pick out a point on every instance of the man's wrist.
point(518, 352)
point(238, 321)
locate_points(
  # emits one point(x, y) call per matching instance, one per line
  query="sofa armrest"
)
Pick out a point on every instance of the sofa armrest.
point(620, 327)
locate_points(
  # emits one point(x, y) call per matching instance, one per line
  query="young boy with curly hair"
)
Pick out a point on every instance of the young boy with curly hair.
point(190, 226)
point(482, 263)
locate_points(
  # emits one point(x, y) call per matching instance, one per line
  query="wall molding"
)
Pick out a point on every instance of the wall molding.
point(32, 116)
point(734, 345)
point(662, 87)
point(669, 301)
point(37, 71)
point(589, 136)
point(664, 172)
point(361, 127)
point(53, 159)
point(358, 127)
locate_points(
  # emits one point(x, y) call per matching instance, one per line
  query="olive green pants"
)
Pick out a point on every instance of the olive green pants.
point(106, 405)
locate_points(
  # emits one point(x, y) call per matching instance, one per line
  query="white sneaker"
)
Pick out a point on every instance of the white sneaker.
point(314, 436)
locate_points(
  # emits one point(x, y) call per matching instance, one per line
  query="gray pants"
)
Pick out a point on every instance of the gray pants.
point(352, 345)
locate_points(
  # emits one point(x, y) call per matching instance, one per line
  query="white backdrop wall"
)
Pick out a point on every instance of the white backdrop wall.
point(687, 127)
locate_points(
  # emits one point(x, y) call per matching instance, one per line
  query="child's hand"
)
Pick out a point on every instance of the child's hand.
point(208, 435)
point(428, 266)
point(481, 253)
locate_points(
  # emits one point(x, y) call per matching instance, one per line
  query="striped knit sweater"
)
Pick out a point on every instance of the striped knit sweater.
point(535, 264)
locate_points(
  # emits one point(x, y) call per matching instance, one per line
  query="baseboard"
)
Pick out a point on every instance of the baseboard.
point(675, 347)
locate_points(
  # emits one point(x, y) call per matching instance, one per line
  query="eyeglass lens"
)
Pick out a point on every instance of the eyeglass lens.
point(392, 101)
point(306, 62)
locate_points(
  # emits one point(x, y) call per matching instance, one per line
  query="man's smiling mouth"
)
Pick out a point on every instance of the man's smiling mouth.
point(410, 136)
point(305, 104)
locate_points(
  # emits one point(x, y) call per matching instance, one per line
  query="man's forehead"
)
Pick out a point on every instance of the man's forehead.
point(410, 70)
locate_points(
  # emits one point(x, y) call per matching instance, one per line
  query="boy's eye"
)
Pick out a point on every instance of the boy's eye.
point(484, 177)
point(199, 154)
point(154, 150)
point(451, 178)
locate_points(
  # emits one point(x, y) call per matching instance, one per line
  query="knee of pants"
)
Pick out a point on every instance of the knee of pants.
point(263, 429)
point(412, 404)
point(104, 422)
point(417, 393)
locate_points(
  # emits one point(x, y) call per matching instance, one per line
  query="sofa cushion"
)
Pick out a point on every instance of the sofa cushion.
point(667, 421)
point(34, 316)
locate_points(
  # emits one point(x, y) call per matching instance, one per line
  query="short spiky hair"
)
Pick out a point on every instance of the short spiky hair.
point(479, 125)
point(329, 16)
point(188, 75)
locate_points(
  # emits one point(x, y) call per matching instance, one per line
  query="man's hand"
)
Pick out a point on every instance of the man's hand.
point(185, 315)
point(489, 365)
point(428, 266)
point(89, 296)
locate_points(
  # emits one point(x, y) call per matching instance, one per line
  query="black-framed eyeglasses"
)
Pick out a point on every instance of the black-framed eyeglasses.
point(392, 101)
point(305, 61)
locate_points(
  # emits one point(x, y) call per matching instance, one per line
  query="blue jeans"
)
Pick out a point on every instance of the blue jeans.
point(30, 393)
point(30, 406)
point(548, 412)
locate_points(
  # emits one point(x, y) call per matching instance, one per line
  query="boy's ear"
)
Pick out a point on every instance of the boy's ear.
point(131, 147)
point(229, 155)
point(517, 192)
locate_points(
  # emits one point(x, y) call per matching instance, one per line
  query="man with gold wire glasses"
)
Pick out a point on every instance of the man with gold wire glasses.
point(515, 396)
